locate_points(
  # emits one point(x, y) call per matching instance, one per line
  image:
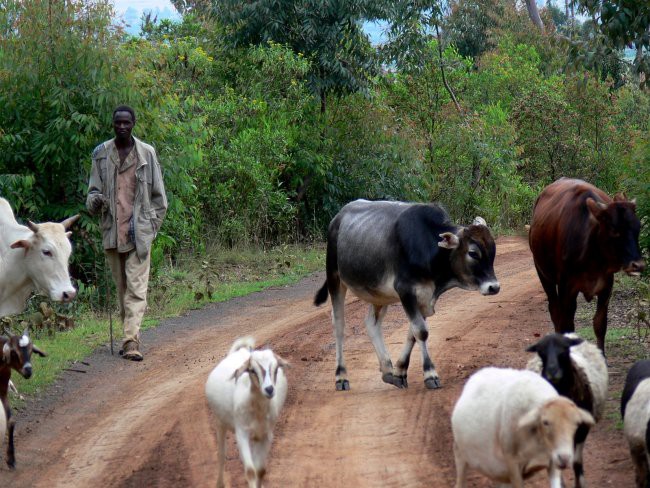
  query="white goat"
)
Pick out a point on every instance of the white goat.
point(577, 370)
point(246, 392)
point(508, 424)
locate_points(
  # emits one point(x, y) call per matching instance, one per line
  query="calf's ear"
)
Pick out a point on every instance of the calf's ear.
point(449, 240)
point(24, 243)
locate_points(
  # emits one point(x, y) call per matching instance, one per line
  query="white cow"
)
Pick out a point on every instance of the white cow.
point(33, 258)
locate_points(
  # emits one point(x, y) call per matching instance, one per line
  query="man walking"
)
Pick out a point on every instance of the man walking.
point(126, 187)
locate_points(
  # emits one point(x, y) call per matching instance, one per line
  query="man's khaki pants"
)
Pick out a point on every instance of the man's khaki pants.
point(131, 280)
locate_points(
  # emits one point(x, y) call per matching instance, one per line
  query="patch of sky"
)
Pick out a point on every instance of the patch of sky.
point(131, 12)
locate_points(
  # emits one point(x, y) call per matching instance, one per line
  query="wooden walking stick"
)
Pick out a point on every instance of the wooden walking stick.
point(110, 311)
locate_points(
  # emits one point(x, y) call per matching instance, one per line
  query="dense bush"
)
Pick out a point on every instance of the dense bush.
point(250, 156)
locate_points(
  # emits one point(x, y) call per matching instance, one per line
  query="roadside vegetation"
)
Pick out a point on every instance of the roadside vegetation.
point(265, 129)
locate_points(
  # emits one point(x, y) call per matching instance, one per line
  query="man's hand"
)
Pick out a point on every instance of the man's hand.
point(98, 203)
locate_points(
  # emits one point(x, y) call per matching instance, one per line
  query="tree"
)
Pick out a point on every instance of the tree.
point(533, 13)
point(621, 23)
point(328, 33)
point(471, 23)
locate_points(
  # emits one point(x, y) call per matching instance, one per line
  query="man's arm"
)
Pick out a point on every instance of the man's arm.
point(158, 196)
point(95, 200)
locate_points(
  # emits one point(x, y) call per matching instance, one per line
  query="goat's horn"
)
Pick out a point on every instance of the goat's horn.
point(32, 226)
point(70, 221)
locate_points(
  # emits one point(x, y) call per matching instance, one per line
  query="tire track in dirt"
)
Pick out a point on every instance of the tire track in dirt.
point(148, 425)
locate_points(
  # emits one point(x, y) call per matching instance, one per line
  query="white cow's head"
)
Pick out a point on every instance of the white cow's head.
point(47, 252)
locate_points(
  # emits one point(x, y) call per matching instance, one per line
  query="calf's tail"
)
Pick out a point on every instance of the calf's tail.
point(321, 295)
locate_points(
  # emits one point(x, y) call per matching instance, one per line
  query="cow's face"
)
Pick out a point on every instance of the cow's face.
point(619, 227)
point(472, 257)
point(17, 352)
point(46, 256)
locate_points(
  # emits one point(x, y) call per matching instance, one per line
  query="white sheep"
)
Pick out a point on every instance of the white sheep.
point(246, 391)
point(577, 370)
point(635, 410)
point(509, 424)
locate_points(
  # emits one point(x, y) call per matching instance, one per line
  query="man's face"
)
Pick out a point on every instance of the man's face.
point(123, 125)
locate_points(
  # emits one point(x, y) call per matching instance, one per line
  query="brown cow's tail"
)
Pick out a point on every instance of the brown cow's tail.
point(321, 295)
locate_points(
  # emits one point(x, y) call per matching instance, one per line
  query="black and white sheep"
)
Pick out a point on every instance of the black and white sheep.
point(246, 391)
point(577, 370)
point(509, 424)
point(635, 410)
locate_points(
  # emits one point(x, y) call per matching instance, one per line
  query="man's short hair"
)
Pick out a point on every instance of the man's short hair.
point(125, 108)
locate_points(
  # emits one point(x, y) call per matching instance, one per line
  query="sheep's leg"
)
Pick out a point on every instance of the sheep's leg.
point(554, 477)
point(338, 320)
point(578, 470)
point(516, 478)
point(376, 314)
point(402, 365)
point(461, 469)
point(600, 317)
point(221, 445)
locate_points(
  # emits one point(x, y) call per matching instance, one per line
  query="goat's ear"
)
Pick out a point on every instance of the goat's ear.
point(282, 363)
point(38, 351)
point(6, 352)
point(449, 240)
point(241, 370)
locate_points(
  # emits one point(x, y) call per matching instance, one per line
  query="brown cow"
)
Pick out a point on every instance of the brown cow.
point(579, 238)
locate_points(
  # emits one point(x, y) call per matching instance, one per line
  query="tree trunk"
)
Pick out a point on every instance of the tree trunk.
point(533, 13)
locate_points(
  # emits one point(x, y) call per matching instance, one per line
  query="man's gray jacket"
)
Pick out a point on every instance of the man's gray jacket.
point(150, 205)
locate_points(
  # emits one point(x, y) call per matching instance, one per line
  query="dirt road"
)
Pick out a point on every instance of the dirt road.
point(139, 425)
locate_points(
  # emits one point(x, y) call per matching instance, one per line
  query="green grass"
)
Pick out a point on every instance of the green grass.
point(173, 291)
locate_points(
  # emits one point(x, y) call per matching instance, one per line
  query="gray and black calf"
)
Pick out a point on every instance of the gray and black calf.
point(389, 252)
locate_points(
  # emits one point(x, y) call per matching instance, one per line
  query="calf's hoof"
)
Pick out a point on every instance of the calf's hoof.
point(342, 385)
point(400, 381)
point(432, 383)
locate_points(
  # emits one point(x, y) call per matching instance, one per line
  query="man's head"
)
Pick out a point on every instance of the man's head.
point(123, 122)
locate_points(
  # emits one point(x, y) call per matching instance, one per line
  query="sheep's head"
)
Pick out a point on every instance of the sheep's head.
point(554, 351)
point(262, 368)
point(17, 352)
point(554, 424)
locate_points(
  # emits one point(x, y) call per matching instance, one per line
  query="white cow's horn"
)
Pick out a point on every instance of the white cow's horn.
point(32, 226)
point(69, 222)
